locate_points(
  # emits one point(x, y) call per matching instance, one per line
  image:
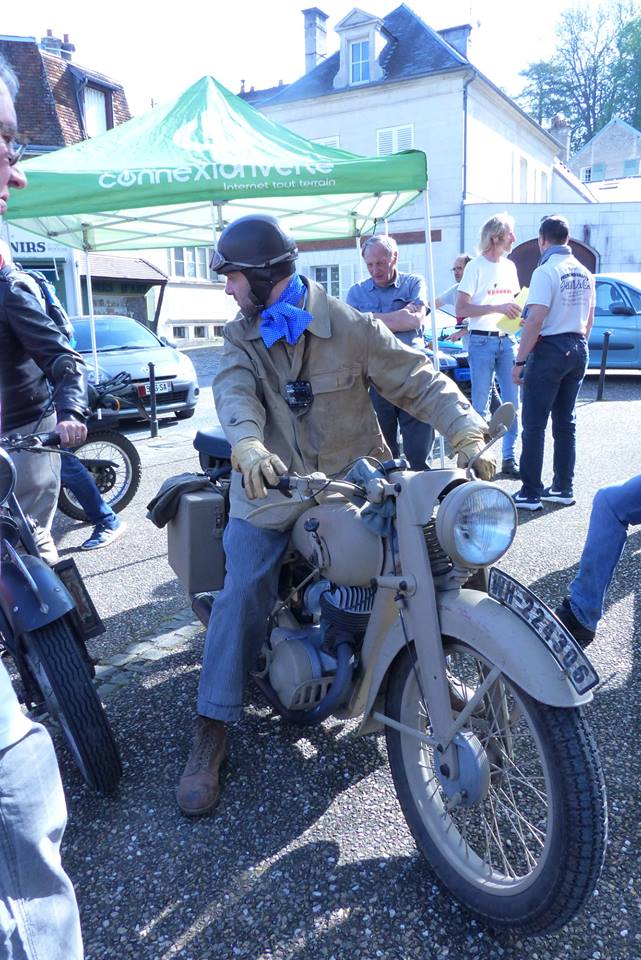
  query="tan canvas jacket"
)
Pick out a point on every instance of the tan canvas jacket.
point(340, 354)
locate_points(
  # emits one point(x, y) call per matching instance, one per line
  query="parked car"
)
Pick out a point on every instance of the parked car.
point(125, 344)
point(618, 309)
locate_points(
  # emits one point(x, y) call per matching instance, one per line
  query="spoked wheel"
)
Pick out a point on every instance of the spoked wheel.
point(63, 678)
point(114, 463)
point(520, 837)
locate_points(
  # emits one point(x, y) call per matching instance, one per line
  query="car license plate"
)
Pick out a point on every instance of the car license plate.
point(162, 386)
point(548, 628)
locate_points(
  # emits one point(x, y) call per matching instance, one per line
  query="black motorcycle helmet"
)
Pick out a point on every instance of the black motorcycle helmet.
point(259, 248)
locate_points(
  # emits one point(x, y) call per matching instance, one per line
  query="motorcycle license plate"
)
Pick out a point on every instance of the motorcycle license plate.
point(162, 386)
point(559, 641)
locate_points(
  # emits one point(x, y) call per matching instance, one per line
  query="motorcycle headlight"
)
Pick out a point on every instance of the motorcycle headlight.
point(7, 476)
point(476, 523)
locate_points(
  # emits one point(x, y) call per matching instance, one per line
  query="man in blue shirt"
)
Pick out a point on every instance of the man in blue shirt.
point(398, 299)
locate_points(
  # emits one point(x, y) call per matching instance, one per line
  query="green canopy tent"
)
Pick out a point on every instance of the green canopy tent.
point(167, 177)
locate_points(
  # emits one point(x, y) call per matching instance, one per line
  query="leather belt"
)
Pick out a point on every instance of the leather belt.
point(488, 333)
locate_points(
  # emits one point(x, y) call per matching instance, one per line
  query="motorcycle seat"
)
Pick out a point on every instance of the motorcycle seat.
point(213, 443)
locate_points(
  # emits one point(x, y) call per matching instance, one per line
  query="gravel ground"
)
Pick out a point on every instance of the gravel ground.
point(308, 855)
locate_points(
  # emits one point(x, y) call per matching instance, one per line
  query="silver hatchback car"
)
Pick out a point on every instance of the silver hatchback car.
point(125, 344)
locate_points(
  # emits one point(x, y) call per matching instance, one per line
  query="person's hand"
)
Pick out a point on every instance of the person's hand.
point(257, 465)
point(517, 375)
point(510, 309)
point(71, 432)
point(467, 444)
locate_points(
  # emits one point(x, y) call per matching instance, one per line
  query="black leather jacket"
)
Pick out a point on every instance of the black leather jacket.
point(30, 344)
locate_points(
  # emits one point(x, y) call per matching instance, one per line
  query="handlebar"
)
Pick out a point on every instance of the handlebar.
point(30, 441)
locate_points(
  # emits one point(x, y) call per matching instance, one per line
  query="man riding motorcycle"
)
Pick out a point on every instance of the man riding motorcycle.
point(292, 396)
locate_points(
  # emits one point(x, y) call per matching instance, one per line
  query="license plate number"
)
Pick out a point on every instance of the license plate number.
point(561, 644)
point(162, 386)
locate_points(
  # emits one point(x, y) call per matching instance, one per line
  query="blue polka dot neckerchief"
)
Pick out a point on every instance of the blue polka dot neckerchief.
point(283, 318)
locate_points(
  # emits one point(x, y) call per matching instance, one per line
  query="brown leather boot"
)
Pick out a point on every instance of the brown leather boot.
point(199, 787)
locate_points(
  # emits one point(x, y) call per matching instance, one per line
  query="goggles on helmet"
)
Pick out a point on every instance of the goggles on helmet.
point(219, 263)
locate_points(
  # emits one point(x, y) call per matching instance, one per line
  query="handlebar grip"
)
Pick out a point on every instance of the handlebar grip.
point(51, 439)
point(283, 484)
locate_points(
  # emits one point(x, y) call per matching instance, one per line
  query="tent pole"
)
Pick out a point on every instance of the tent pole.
point(429, 272)
point(359, 258)
point(92, 319)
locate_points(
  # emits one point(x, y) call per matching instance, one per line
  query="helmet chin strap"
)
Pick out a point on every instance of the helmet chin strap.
point(262, 281)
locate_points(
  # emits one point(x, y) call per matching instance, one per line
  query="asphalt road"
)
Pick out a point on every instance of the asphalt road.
point(309, 856)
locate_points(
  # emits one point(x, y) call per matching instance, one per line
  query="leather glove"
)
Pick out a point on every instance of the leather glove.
point(257, 465)
point(467, 444)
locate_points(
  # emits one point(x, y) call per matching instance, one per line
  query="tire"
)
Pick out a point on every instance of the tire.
point(119, 486)
point(58, 667)
point(185, 414)
point(527, 854)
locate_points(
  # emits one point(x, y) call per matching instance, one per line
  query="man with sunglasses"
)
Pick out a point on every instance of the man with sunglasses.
point(34, 357)
point(38, 911)
point(292, 395)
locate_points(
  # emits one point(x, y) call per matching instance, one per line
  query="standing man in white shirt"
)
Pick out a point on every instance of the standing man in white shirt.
point(551, 363)
point(485, 295)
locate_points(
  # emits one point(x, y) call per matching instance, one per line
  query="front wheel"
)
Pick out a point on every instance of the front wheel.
point(114, 463)
point(522, 845)
point(62, 675)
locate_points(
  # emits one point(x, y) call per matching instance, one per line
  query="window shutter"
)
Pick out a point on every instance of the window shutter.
point(385, 142)
point(405, 138)
point(328, 142)
point(346, 279)
point(598, 171)
point(630, 168)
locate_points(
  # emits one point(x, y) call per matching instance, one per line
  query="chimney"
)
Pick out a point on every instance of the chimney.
point(458, 37)
point(560, 130)
point(51, 44)
point(66, 48)
point(315, 37)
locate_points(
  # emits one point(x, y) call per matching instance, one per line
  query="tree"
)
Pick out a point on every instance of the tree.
point(588, 78)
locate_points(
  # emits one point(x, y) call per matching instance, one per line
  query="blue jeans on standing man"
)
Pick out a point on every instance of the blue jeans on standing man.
point(553, 376)
point(238, 623)
point(493, 356)
point(418, 437)
point(75, 476)
point(613, 510)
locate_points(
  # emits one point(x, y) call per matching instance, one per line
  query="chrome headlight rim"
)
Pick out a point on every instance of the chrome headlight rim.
point(7, 476)
point(452, 518)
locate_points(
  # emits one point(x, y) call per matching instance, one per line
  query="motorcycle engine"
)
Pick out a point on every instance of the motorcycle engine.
point(302, 664)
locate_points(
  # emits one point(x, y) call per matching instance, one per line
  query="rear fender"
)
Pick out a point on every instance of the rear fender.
point(499, 636)
point(27, 609)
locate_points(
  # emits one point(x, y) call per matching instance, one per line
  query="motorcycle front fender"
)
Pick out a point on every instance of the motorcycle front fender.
point(498, 635)
point(26, 608)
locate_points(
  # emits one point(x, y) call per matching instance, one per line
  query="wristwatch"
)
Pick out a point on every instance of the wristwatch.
point(520, 363)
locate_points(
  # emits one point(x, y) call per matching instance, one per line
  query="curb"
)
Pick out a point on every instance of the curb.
point(143, 655)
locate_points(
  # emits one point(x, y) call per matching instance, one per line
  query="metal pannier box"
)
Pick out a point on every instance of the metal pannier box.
point(195, 540)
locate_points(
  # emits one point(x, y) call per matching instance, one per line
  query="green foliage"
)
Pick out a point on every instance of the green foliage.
point(594, 73)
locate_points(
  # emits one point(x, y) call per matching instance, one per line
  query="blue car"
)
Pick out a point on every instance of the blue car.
point(618, 309)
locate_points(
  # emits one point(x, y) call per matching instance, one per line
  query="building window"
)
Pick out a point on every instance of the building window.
point(631, 168)
point(585, 174)
point(359, 61)
point(180, 333)
point(192, 262)
point(328, 142)
point(394, 139)
point(201, 332)
point(544, 188)
point(329, 278)
point(98, 114)
point(595, 172)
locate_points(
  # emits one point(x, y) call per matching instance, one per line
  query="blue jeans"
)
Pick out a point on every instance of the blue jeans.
point(75, 476)
point(553, 377)
point(238, 623)
point(38, 911)
point(418, 437)
point(613, 510)
point(491, 357)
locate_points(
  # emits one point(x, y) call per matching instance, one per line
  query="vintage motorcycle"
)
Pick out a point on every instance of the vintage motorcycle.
point(390, 609)
point(46, 617)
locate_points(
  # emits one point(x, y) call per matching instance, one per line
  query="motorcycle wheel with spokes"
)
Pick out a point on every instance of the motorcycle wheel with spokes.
point(117, 477)
point(523, 845)
point(62, 676)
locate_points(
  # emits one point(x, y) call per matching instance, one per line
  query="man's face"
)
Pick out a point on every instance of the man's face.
point(10, 177)
point(507, 241)
point(381, 264)
point(458, 268)
point(237, 286)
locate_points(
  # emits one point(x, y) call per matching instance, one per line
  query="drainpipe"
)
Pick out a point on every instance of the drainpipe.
point(464, 190)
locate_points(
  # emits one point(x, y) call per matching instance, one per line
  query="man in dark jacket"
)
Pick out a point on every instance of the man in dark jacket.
point(34, 356)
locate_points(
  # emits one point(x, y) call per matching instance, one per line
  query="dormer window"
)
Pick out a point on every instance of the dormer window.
point(359, 61)
point(97, 113)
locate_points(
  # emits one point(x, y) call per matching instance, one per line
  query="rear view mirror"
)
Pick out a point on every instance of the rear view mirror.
point(621, 310)
point(502, 420)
